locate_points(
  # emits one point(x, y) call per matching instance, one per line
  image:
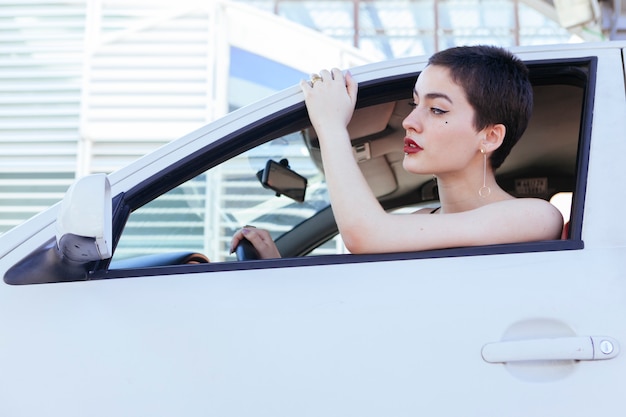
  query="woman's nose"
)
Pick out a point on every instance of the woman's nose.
point(412, 121)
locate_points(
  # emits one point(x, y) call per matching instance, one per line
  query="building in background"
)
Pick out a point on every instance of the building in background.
point(398, 28)
point(89, 85)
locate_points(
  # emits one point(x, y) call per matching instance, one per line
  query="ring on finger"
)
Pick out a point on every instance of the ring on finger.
point(315, 78)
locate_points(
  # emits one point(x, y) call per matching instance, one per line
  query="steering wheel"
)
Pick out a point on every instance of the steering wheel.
point(245, 251)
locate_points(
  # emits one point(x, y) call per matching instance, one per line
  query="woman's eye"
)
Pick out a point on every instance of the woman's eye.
point(437, 111)
point(412, 103)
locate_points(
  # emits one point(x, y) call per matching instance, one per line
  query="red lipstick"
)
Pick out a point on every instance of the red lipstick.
point(410, 146)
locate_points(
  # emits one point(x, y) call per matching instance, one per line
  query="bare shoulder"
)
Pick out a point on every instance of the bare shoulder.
point(535, 205)
point(507, 221)
point(530, 218)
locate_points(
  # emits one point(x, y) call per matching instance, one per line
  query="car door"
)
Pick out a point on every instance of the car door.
point(515, 330)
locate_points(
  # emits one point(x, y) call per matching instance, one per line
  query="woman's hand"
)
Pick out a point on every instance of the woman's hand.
point(330, 99)
point(260, 239)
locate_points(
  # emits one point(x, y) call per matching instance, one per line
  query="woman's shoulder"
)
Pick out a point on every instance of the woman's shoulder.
point(535, 204)
point(506, 221)
point(527, 213)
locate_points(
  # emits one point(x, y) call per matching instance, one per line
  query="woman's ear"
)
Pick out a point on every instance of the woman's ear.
point(494, 136)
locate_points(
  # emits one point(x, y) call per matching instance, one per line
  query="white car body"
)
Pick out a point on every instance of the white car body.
point(381, 337)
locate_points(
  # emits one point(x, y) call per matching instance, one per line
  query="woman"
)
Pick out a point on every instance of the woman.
point(471, 105)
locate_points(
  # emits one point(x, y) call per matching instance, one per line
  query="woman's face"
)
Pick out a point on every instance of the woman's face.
point(440, 133)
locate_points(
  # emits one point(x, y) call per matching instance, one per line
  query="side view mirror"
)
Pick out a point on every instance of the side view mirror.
point(83, 235)
point(84, 229)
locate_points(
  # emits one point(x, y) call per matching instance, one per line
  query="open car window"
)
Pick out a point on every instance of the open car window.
point(186, 211)
point(202, 214)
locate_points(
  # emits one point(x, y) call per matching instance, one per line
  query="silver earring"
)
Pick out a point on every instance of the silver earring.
point(484, 191)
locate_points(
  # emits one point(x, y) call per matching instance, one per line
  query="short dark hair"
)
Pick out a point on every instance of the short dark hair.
point(497, 87)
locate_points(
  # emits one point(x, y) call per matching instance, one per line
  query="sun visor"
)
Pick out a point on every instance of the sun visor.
point(366, 122)
point(379, 176)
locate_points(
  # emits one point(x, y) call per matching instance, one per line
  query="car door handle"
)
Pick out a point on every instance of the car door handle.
point(582, 348)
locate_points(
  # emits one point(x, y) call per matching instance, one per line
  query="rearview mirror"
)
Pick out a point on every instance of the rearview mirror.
point(280, 178)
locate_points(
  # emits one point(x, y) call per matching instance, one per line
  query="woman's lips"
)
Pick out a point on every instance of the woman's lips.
point(410, 146)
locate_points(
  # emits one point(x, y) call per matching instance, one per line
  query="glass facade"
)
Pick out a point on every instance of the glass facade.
point(400, 28)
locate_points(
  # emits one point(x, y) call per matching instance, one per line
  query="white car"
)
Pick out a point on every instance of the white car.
point(123, 300)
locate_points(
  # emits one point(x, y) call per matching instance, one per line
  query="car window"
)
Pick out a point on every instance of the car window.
point(194, 203)
point(202, 214)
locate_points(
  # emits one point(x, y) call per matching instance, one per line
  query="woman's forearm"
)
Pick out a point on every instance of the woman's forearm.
point(354, 205)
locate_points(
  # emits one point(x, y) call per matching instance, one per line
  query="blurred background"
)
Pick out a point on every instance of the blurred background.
point(88, 86)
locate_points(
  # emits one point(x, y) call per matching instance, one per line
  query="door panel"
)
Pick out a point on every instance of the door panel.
point(399, 338)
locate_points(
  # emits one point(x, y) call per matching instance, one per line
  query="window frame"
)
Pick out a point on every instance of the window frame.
point(581, 71)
